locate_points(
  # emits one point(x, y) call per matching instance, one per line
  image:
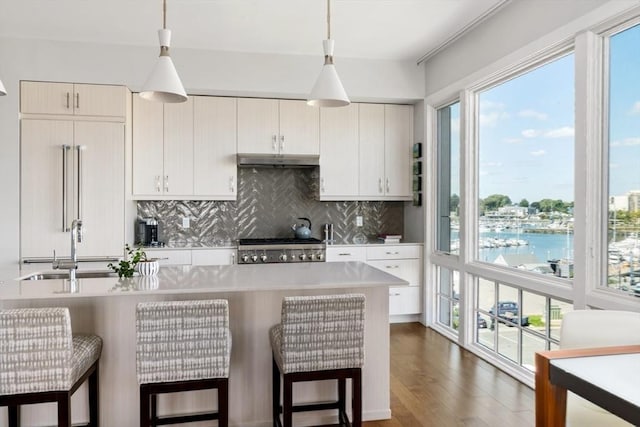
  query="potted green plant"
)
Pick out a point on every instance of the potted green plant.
point(135, 260)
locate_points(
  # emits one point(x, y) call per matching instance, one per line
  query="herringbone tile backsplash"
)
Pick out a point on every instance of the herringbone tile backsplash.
point(269, 201)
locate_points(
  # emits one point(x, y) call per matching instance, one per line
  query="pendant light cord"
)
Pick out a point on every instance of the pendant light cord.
point(328, 19)
point(164, 14)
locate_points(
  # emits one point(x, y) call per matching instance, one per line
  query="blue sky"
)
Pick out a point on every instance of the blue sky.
point(527, 135)
point(624, 130)
point(527, 129)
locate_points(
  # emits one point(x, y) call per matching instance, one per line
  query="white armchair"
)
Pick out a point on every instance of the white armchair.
point(596, 328)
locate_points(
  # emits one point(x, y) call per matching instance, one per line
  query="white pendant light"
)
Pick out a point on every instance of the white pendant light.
point(328, 90)
point(163, 84)
point(3, 91)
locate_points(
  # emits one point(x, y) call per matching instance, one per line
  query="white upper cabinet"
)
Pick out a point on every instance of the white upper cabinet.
point(299, 128)
point(386, 141)
point(72, 99)
point(162, 148)
point(272, 126)
point(398, 145)
point(148, 147)
point(214, 147)
point(185, 150)
point(371, 153)
point(339, 152)
point(366, 152)
point(178, 149)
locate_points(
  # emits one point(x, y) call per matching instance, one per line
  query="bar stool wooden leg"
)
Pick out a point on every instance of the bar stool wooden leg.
point(145, 403)
point(64, 410)
point(287, 404)
point(94, 398)
point(356, 384)
point(14, 416)
point(342, 401)
point(275, 393)
point(223, 404)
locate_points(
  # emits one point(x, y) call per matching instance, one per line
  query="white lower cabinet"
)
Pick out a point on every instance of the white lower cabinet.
point(223, 256)
point(346, 253)
point(212, 256)
point(404, 300)
point(403, 261)
point(170, 256)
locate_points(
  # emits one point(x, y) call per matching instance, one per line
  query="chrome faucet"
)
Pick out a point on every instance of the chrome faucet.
point(72, 263)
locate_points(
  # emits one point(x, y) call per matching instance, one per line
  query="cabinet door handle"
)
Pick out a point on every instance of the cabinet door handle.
point(232, 185)
point(233, 258)
point(281, 143)
point(380, 185)
point(158, 188)
point(322, 185)
point(388, 189)
point(392, 266)
point(394, 294)
point(344, 254)
point(68, 95)
point(274, 142)
point(79, 148)
point(65, 149)
point(166, 183)
point(393, 253)
point(77, 101)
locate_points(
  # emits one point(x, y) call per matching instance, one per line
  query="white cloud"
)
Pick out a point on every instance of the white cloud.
point(563, 132)
point(531, 133)
point(625, 142)
point(636, 108)
point(538, 153)
point(491, 113)
point(512, 140)
point(491, 119)
point(533, 114)
point(492, 164)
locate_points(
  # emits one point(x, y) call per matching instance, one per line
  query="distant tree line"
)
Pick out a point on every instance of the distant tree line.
point(495, 201)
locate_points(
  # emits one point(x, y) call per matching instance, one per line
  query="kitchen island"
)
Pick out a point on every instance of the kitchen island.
point(106, 306)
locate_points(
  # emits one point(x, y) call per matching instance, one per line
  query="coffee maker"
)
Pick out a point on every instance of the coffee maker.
point(147, 232)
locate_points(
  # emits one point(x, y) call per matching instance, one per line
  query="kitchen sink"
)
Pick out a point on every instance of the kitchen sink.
point(65, 275)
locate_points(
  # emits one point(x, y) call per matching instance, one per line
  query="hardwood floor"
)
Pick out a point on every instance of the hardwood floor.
point(436, 383)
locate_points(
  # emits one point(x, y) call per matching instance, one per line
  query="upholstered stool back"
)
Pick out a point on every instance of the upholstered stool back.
point(39, 355)
point(182, 340)
point(319, 338)
point(182, 346)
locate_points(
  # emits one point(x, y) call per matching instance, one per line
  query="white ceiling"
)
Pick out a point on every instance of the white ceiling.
point(379, 29)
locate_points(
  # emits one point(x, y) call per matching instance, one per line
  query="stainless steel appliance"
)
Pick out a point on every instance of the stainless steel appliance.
point(147, 232)
point(289, 250)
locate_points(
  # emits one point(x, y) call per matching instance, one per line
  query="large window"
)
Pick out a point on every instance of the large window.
point(526, 170)
point(448, 178)
point(624, 159)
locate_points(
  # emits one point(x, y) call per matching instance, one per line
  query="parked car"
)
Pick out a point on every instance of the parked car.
point(508, 313)
point(481, 322)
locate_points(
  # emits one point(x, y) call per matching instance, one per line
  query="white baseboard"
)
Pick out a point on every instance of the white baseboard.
point(405, 318)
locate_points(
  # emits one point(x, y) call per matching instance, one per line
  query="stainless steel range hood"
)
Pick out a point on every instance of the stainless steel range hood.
point(278, 160)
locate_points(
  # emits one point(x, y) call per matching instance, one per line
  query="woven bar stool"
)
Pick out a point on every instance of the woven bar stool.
point(319, 338)
point(42, 361)
point(182, 346)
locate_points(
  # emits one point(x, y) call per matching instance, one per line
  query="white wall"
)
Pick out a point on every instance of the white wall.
point(414, 221)
point(517, 24)
point(202, 72)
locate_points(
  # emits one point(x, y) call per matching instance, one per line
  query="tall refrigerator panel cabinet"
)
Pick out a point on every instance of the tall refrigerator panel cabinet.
point(71, 170)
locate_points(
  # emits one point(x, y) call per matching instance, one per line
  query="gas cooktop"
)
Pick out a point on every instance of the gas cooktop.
point(278, 241)
point(275, 250)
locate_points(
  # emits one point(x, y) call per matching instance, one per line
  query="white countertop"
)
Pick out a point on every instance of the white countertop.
point(199, 279)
